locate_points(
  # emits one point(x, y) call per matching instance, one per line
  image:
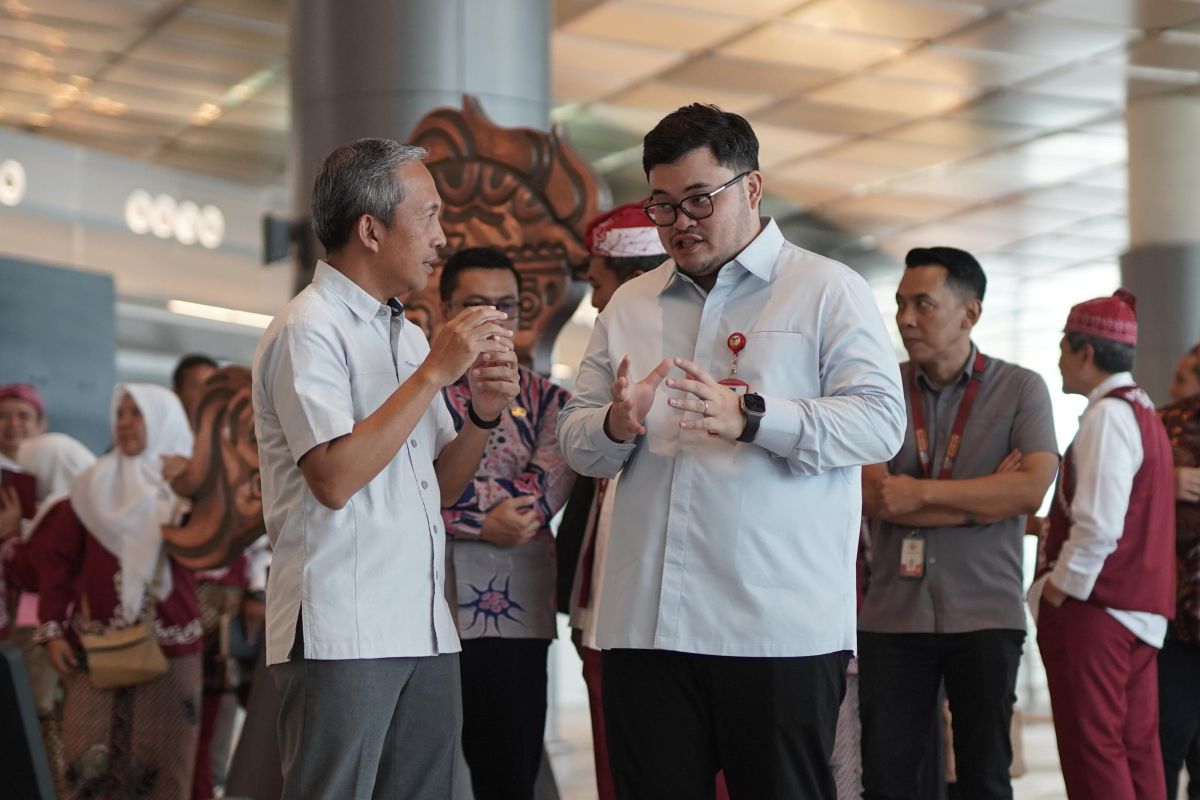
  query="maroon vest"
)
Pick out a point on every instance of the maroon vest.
point(1140, 574)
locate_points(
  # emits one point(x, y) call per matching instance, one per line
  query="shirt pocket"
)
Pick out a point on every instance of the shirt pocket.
point(781, 364)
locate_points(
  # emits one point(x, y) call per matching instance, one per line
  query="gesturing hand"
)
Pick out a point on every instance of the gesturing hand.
point(632, 401)
point(494, 383)
point(511, 522)
point(1187, 484)
point(719, 408)
point(458, 343)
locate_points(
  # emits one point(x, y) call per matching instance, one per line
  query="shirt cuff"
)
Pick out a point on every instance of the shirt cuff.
point(1073, 584)
point(779, 428)
point(47, 631)
point(600, 442)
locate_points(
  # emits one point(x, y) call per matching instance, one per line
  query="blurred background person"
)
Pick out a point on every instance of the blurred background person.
point(104, 568)
point(1179, 659)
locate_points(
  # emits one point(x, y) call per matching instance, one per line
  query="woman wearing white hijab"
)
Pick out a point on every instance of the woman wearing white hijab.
point(107, 549)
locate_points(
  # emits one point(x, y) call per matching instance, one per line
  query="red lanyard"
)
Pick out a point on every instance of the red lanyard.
point(960, 421)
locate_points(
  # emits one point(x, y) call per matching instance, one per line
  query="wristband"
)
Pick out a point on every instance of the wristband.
point(479, 423)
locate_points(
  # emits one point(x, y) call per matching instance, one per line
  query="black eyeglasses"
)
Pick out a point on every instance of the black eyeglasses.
point(696, 206)
point(511, 308)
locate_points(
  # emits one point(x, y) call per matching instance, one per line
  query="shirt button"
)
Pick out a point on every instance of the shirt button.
point(424, 484)
point(413, 442)
point(932, 561)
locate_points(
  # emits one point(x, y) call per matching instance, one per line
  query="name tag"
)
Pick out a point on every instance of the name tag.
point(912, 556)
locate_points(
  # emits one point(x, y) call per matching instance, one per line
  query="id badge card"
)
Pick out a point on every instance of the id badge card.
point(736, 386)
point(912, 556)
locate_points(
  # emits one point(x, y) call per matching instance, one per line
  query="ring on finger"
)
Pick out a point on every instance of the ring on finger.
point(705, 407)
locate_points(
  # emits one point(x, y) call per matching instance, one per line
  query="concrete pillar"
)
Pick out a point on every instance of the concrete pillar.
point(1162, 266)
point(364, 68)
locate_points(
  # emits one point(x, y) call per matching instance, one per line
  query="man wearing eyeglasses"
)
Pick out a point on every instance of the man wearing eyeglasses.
point(740, 387)
point(502, 550)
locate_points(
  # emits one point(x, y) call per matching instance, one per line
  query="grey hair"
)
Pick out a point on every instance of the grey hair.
point(357, 179)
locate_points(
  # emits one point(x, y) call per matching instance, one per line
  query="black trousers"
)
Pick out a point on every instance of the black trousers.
point(1178, 708)
point(899, 676)
point(675, 719)
point(504, 715)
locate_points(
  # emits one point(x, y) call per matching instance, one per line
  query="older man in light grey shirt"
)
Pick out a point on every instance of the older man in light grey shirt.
point(728, 606)
point(358, 453)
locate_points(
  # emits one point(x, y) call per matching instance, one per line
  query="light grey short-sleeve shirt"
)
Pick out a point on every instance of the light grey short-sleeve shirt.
point(973, 575)
point(367, 579)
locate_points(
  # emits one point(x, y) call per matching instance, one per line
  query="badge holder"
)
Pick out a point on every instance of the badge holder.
point(912, 556)
point(736, 343)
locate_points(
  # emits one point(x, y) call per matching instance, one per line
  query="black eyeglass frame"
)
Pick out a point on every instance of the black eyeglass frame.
point(676, 208)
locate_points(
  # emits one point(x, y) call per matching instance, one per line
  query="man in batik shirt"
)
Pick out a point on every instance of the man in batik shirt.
point(502, 551)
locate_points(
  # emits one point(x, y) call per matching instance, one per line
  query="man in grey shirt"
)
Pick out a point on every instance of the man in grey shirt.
point(945, 597)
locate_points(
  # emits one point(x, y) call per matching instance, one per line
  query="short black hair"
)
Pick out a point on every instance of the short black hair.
point(728, 135)
point(963, 272)
point(624, 267)
point(473, 258)
point(190, 362)
point(1111, 357)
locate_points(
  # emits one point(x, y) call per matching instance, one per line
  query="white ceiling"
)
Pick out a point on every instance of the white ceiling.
point(992, 124)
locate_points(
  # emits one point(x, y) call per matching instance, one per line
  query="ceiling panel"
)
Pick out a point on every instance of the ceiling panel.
point(964, 237)
point(1045, 37)
point(662, 26)
point(874, 150)
point(197, 26)
point(1020, 218)
point(729, 74)
point(888, 207)
point(118, 13)
point(1073, 248)
point(1092, 147)
point(1077, 197)
point(575, 86)
point(779, 144)
point(1124, 13)
point(232, 64)
point(965, 134)
point(965, 67)
point(909, 20)
point(831, 172)
point(753, 9)
point(807, 47)
point(892, 95)
point(617, 59)
point(266, 10)
point(665, 97)
point(1030, 109)
point(825, 118)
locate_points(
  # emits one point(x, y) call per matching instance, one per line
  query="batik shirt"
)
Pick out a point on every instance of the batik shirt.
point(501, 591)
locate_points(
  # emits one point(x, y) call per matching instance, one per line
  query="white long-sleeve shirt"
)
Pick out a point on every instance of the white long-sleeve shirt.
point(1107, 454)
point(736, 549)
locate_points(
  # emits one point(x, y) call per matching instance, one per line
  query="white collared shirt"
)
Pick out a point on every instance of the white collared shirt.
point(737, 549)
point(369, 578)
point(1107, 454)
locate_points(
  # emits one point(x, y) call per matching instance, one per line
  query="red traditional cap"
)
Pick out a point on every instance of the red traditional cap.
point(1111, 318)
point(23, 391)
point(624, 232)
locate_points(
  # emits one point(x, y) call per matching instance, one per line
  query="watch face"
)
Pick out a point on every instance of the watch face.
point(754, 404)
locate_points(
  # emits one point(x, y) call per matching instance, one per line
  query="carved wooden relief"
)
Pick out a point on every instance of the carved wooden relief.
point(524, 191)
point(222, 479)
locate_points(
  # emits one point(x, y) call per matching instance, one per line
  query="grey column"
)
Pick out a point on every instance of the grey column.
point(1162, 266)
point(368, 68)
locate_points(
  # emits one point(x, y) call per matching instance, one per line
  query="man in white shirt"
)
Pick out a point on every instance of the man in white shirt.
point(727, 613)
point(1107, 585)
point(358, 454)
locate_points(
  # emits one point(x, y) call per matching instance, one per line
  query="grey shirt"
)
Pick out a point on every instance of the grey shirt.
point(973, 574)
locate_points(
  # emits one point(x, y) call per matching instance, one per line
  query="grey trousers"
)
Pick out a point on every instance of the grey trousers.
point(369, 729)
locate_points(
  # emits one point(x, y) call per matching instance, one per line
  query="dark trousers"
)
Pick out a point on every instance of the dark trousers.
point(1103, 684)
point(504, 715)
point(674, 719)
point(1179, 707)
point(899, 676)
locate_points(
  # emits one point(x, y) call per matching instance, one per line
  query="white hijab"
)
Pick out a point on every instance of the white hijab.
point(53, 459)
point(123, 501)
